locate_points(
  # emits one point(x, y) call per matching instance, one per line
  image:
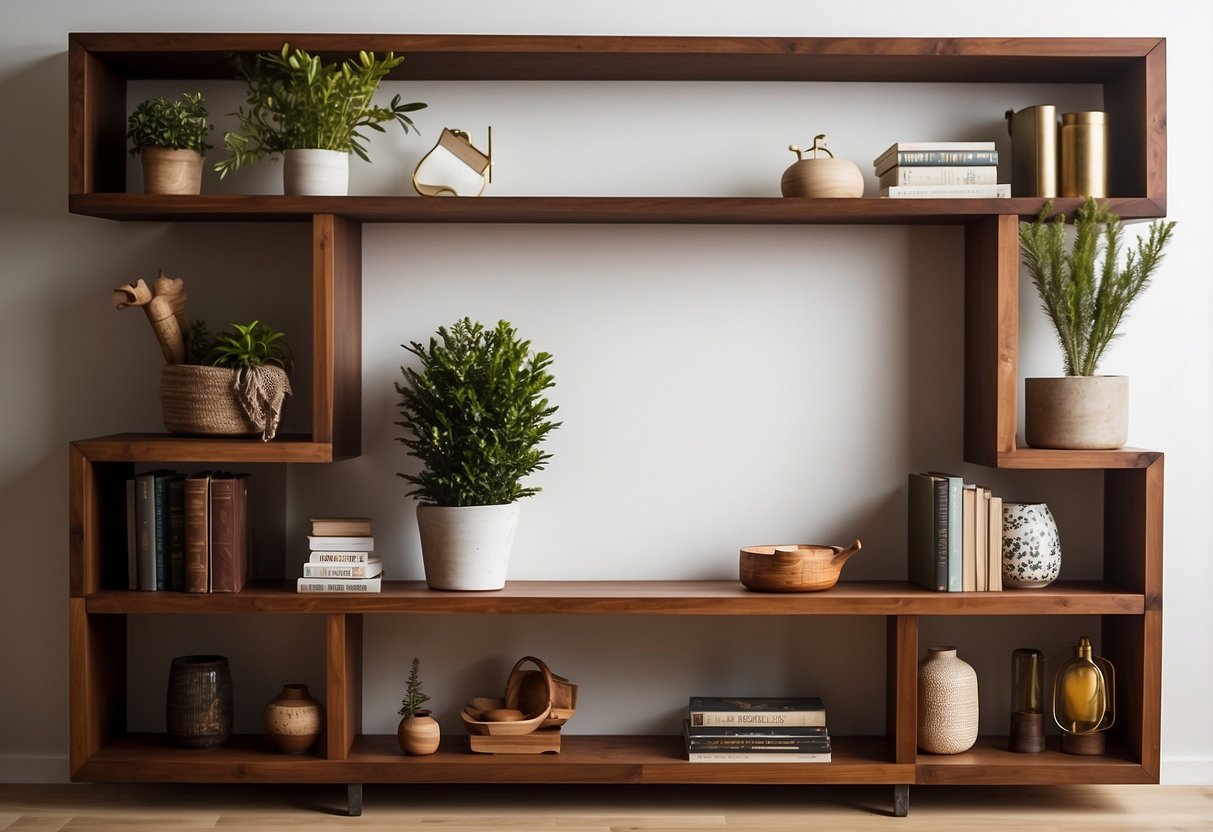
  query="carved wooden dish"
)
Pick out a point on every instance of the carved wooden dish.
point(801, 567)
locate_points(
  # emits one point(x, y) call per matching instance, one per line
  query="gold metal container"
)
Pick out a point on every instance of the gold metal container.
point(1033, 150)
point(1084, 154)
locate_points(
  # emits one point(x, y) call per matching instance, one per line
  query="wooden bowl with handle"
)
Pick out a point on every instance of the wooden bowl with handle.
point(801, 567)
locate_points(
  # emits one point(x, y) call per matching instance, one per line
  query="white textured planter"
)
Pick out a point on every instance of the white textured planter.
point(316, 173)
point(1077, 412)
point(467, 547)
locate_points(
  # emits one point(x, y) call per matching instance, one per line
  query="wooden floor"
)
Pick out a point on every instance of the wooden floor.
point(101, 808)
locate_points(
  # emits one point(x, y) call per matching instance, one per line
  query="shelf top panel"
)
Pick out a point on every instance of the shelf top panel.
point(159, 447)
point(636, 597)
point(626, 58)
point(1045, 459)
point(585, 209)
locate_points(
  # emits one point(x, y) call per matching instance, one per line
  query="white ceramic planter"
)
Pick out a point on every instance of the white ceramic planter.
point(1077, 412)
point(315, 173)
point(467, 547)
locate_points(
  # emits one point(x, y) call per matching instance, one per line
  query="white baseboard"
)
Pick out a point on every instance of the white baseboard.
point(34, 768)
point(1187, 771)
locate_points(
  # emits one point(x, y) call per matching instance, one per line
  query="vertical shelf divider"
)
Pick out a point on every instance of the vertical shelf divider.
point(901, 698)
point(337, 333)
point(344, 688)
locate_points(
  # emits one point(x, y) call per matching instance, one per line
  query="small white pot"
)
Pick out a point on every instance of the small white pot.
point(467, 547)
point(315, 173)
point(1077, 412)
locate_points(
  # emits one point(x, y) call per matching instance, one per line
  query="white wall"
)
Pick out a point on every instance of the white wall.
point(719, 385)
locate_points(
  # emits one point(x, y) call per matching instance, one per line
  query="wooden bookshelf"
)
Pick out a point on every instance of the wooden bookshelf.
point(1132, 75)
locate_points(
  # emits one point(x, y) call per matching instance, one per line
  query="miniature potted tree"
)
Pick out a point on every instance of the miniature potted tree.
point(418, 732)
point(170, 138)
point(1086, 300)
point(475, 415)
point(310, 113)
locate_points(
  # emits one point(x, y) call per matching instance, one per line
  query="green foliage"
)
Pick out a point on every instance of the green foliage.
point(476, 414)
point(295, 102)
point(201, 342)
point(179, 124)
point(245, 345)
point(1085, 299)
point(413, 699)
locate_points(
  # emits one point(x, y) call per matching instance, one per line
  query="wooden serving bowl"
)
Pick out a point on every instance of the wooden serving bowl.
point(544, 699)
point(803, 567)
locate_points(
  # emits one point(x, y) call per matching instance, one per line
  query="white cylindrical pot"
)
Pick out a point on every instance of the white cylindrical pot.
point(1077, 412)
point(947, 702)
point(467, 547)
point(1031, 546)
point(315, 173)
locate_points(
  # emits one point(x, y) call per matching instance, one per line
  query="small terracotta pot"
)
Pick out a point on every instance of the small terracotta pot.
point(418, 735)
point(294, 720)
point(168, 170)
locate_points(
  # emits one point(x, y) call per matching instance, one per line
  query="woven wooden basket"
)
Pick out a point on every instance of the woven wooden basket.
point(206, 401)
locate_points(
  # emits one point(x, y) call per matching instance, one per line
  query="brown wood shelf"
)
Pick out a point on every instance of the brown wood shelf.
point(582, 759)
point(160, 447)
point(1040, 459)
point(989, 763)
point(635, 597)
point(581, 209)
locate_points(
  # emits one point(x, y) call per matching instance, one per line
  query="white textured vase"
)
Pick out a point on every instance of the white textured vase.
point(947, 702)
point(315, 173)
point(1077, 412)
point(1031, 546)
point(467, 547)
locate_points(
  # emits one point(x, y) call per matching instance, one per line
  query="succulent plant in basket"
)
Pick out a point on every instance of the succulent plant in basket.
point(171, 139)
point(475, 414)
point(1086, 299)
point(418, 732)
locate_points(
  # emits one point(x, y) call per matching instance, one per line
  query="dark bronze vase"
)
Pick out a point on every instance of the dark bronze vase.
point(199, 706)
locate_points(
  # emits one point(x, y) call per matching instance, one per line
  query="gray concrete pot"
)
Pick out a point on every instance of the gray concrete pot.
point(467, 547)
point(1077, 412)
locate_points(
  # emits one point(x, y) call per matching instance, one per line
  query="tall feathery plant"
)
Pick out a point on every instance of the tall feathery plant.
point(1085, 299)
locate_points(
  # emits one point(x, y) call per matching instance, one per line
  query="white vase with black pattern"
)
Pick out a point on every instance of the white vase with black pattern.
point(1031, 546)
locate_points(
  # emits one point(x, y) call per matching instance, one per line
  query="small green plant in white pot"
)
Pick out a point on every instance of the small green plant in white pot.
point(1086, 299)
point(475, 415)
point(311, 113)
point(170, 137)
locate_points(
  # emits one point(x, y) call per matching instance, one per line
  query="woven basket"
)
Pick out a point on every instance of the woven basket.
point(216, 401)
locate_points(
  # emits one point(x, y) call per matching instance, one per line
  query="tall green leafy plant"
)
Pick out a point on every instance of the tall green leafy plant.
point(297, 102)
point(179, 124)
point(1086, 298)
point(475, 415)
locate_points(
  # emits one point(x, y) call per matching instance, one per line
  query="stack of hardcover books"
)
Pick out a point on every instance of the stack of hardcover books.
point(955, 531)
point(940, 169)
point(342, 557)
point(756, 730)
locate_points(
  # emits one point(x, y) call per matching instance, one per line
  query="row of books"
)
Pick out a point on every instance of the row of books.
point(940, 170)
point(955, 535)
point(342, 557)
point(187, 533)
point(756, 730)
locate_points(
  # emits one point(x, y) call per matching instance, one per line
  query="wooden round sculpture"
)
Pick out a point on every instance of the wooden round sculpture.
point(821, 177)
point(803, 567)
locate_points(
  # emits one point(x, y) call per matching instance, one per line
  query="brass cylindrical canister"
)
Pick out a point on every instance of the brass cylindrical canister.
point(1084, 154)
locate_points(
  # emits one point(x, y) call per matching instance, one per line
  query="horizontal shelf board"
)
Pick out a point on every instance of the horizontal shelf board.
point(579, 57)
point(1042, 459)
point(582, 759)
point(638, 597)
point(160, 447)
point(582, 209)
point(990, 763)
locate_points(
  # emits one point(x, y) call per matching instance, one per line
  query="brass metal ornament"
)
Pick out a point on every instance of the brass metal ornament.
point(454, 166)
point(1084, 700)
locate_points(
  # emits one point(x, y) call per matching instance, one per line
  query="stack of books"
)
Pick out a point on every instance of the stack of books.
point(955, 531)
point(187, 533)
point(342, 557)
point(756, 730)
point(940, 169)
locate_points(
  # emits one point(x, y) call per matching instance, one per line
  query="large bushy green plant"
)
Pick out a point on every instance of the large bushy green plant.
point(296, 102)
point(475, 414)
point(1086, 298)
point(179, 124)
